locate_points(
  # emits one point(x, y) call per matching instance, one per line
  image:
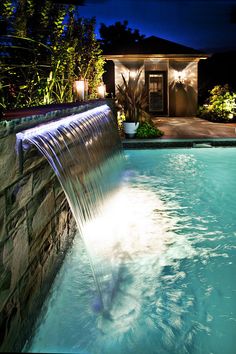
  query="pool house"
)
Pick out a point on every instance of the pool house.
point(169, 70)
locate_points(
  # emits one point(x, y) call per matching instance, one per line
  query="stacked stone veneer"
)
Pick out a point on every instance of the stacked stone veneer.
point(36, 228)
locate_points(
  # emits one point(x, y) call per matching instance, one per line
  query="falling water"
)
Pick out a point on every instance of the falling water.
point(84, 150)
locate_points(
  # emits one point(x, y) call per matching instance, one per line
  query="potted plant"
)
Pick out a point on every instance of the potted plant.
point(132, 98)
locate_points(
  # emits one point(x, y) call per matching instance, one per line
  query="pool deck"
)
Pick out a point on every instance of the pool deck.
point(187, 132)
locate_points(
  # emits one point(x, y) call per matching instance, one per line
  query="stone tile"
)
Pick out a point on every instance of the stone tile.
point(2, 216)
point(13, 222)
point(29, 288)
point(60, 200)
point(37, 242)
point(9, 168)
point(10, 322)
point(20, 254)
point(19, 194)
point(32, 159)
point(5, 279)
point(7, 251)
point(42, 176)
point(46, 251)
point(61, 228)
point(16, 252)
point(40, 212)
point(57, 187)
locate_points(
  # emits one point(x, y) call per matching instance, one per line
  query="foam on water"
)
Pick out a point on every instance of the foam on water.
point(129, 257)
point(138, 240)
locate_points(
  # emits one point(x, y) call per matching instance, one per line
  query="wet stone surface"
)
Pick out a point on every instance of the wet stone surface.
point(35, 230)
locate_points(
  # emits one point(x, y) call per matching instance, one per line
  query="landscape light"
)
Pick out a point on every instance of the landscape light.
point(79, 88)
point(101, 90)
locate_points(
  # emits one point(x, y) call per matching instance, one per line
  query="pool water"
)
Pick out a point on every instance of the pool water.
point(164, 248)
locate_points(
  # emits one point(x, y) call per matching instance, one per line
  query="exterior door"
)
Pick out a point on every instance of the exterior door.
point(157, 91)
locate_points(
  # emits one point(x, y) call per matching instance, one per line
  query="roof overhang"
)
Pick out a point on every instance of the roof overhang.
point(186, 57)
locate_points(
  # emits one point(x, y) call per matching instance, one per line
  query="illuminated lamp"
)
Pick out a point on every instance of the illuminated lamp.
point(79, 89)
point(101, 90)
point(179, 76)
point(132, 74)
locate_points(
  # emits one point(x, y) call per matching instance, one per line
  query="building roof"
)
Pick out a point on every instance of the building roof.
point(151, 46)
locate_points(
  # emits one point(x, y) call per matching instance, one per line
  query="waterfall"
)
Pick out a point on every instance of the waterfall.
point(85, 152)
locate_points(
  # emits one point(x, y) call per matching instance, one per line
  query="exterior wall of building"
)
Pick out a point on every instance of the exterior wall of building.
point(126, 67)
point(183, 88)
point(156, 64)
point(182, 79)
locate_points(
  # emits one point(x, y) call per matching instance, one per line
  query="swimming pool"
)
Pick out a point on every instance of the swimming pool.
point(166, 250)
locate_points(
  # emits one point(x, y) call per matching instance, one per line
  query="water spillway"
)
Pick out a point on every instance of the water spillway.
point(81, 149)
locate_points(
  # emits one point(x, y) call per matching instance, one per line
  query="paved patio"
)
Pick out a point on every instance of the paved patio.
point(193, 128)
point(187, 132)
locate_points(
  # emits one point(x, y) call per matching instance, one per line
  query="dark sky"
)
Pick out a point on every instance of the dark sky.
point(201, 24)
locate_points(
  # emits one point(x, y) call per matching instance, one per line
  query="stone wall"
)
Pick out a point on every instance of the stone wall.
point(36, 228)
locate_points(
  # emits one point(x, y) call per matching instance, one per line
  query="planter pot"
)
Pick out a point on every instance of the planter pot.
point(130, 129)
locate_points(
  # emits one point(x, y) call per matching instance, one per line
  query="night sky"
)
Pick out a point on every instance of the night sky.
point(202, 24)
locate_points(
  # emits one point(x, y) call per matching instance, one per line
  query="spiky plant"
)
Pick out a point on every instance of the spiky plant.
point(132, 97)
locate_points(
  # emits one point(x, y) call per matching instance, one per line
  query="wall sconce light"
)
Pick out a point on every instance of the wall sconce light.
point(79, 89)
point(132, 74)
point(179, 76)
point(101, 90)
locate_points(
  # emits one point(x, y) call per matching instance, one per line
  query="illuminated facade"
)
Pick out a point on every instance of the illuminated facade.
point(169, 70)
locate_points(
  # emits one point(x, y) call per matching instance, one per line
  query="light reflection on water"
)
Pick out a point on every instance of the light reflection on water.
point(164, 250)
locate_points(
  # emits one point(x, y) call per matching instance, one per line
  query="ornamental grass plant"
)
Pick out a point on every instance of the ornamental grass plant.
point(132, 98)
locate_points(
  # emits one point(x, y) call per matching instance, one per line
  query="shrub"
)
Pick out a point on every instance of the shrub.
point(120, 120)
point(220, 106)
point(46, 46)
point(132, 98)
point(147, 130)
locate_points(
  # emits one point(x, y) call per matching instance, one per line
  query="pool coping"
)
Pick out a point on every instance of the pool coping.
point(178, 143)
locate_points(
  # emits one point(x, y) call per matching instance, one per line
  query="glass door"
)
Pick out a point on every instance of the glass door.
point(157, 92)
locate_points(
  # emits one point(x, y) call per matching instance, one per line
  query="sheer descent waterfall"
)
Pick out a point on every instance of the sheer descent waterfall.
point(84, 150)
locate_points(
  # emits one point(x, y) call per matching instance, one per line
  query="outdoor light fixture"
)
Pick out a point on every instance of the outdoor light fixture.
point(179, 76)
point(132, 74)
point(79, 89)
point(101, 90)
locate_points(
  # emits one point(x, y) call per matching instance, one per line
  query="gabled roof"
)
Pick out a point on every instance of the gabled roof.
point(153, 45)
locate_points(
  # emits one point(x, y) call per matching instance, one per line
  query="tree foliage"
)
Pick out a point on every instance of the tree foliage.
point(147, 130)
point(46, 46)
point(118, 35)
point(221, 104)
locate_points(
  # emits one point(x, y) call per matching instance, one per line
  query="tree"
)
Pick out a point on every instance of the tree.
point(90, 62)
point(118, 35)
point(71, 52)
point(221, 104)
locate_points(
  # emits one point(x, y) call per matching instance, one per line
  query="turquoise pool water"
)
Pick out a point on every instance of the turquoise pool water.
point(165, 250)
